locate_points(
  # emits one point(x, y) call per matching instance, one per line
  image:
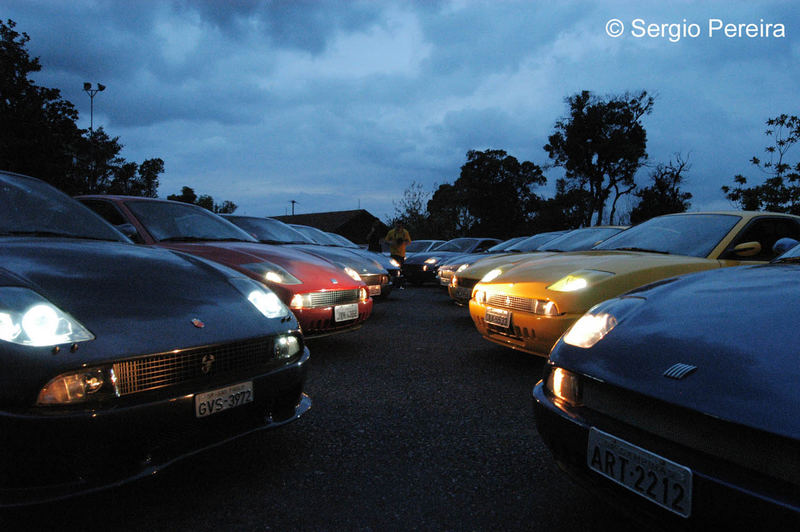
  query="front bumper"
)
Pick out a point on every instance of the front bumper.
point(532, 333)
point(723, 495)
point(419, 273)
point(321, 321)
point(378, 284)
point(50, 455)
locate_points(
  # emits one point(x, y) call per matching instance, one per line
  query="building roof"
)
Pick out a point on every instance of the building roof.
point(327, 221)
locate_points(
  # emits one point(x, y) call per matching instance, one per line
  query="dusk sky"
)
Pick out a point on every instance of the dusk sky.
point(341, 104)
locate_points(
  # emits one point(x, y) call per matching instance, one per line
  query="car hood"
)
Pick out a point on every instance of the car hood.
point(316, 273)
point(530, 278)
point(487, 263)
point(133, 299)
point(444, 256)
point(738, 326)
point(343, 256)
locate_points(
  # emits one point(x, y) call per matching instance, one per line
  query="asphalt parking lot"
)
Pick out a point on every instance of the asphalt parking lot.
point(418, 424)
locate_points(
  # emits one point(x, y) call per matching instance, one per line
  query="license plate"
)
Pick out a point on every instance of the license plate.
point(498, 316)
point(345, 312)
point(374, 290)
point(657, 479)
point(206, 404)
point(463, 293)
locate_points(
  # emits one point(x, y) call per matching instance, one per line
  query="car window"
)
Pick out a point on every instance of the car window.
point(580, 239)
point(457, 244)
point(694, 235)
point(29, 207)
point(177, 221)
point(766, 231)
point(533, 242)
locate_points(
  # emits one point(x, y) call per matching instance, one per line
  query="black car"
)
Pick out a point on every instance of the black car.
point(117, 359)
point(422, 267)
point(680, 400)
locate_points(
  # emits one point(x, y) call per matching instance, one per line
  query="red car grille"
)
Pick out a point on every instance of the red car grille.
point(167, 369)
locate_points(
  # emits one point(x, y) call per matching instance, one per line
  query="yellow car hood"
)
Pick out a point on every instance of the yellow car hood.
point(630, 270)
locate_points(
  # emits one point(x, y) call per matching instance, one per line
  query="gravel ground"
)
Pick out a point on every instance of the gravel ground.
point(418, 424)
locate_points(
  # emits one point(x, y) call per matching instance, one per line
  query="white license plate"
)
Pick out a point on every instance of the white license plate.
point(657, 479)
point(463, 293)
point(345, 312)
point(374, 290)
point(498, 316)
point(216, 401)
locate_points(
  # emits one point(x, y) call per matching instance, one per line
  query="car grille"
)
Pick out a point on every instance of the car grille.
point(715, 437)
point(167, 369)
point(333, 297)
point(375, 279)
point(466, 282)
point(524, 304)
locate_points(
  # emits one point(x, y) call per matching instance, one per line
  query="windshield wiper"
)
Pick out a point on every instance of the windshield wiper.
point(274, 242)
point(642, 250)
point(55, 234)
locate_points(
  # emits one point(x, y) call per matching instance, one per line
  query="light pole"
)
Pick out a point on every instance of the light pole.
point(293, 203)
point(91, 92)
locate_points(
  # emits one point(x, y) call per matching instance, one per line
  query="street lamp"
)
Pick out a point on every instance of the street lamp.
point(91, 92)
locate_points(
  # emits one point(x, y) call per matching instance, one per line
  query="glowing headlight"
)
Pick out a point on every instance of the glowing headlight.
point(432, 260)
point(599, 321)
point(578, 280)
point(286, 346)
point(272, 273)
point(492, 275)
point(261, 297)
point(352, 273)
point(462, 268)
point(479, 296)
point(363, 295)
point(394, 263)
point(26, 318)
point(565, 385)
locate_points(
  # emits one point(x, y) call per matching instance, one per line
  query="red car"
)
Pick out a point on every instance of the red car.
point(323, 297)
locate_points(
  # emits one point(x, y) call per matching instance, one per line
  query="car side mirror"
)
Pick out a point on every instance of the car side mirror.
point(747, 249)
point(130, 231)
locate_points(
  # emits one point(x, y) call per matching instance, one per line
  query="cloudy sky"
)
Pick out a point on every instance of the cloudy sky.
point(343, 104)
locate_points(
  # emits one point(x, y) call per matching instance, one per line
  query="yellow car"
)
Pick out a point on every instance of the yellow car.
point(530, 304)
point(537, 246)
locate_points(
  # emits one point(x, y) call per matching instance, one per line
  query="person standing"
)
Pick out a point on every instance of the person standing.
point(374, 237)
point(398, 238)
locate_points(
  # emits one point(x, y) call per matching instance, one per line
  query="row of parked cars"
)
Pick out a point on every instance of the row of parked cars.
point(671, 380)
point(136, 331)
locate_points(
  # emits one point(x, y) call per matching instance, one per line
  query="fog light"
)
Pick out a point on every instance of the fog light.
point(73, 388)
point(565, 385)
point(286, 347)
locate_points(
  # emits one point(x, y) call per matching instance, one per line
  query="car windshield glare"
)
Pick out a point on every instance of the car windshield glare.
point(694, 235)
point(268, 229)
point(502, 246)
point(418, 246)
point(179, 221)
point(580, 239)
point(532, 243)
point(342, 241)
point(457, 244)
point(29, 207)
point(317, 236)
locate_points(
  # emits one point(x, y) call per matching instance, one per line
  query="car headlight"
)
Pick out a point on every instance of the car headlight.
point(599, 321)
point(432, 260)
point(579, 280)
point(462, 267)
point(26, 318)
point(565, 385)
point(89, 384)
point(273, 273)
point(394, 263)
point(492, 275)
point(479, 296)
point(261, 297)
point(352, 273)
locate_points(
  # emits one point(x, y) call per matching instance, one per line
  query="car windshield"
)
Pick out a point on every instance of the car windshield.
point(580, 239)
point(792, 255)
point(532, 243)
point(458, 244)
point(269, 230)
point(181, 222)
point(29, 207)
point(694, 235)
point(418, 246)
point(317, 236)
point(502, 246)
point(342, 241)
